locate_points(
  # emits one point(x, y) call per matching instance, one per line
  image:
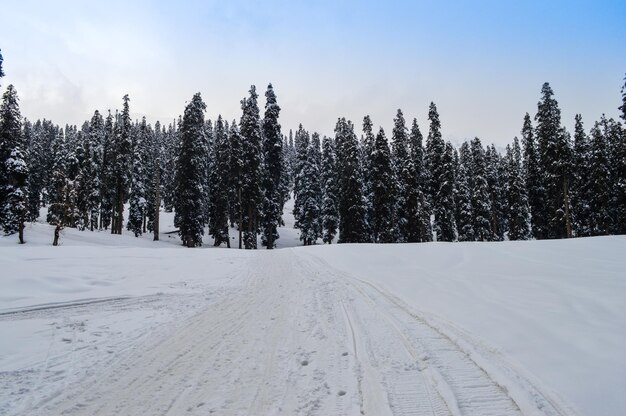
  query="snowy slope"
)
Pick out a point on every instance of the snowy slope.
point(122, 325)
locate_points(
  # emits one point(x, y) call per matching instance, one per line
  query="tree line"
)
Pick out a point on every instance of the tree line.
point(220, 175)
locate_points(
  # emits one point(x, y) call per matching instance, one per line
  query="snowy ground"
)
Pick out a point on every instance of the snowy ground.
point(107, 325)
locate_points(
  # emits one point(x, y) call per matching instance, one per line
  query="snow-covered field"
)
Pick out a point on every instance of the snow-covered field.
point(107, 325)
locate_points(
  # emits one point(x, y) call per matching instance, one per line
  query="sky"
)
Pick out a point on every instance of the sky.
point(482, 62)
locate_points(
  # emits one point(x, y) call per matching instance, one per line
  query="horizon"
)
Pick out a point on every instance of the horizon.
point(325, 61)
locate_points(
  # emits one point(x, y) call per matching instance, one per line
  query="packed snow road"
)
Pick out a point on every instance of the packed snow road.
point(296, 336)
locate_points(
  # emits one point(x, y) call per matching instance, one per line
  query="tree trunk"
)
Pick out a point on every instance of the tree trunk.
point(568, 220)
point(21, 231)
point(240, 217)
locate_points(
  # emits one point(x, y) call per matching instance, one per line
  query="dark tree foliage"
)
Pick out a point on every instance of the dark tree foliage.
point(352, 208)
point(516, 208)
point(481, 201)
point(273, 171)
point(122, 150)
point(464, 212)
point(418, 224)
point(554, 154)
point(582, 193)
point(191, 168)
point(251, 195)
point(383, 196)
point(534, 181)
point(219, 180)
point(13, 168)
point(330, 216)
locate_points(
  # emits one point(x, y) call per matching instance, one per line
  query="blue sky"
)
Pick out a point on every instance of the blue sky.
point(481, 62)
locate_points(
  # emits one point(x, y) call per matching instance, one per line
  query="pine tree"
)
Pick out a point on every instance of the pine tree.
point(273, 171)
point(301, 147)
point(330, 216)
point(352, 208)
point(418, 225)
point(367, 146)
point(1, 60)
point(534, 181)
point(310, 223)
point(582, 193)
point(191, 168)
point(465, 215)
point(154, 165)
point(13, 168)
point(251, 195)
point(517, 210)
point(598, 168)
point(494, 175)
point(619, 169)
point(236, 178)
point(137, 200)
point(122, 165)
point(481, 202)
point(383, 198)
point(219, 180)
point(553, 156)
point(107, 174)
point(616, 156)
point(404, 179)
point(38, 149)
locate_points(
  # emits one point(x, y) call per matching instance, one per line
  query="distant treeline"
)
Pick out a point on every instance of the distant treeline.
point(216, 175)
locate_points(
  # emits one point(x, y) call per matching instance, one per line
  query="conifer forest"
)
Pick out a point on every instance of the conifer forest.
point(362, 185)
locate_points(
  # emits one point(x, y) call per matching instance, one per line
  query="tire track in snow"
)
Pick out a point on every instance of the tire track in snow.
point(479, 380)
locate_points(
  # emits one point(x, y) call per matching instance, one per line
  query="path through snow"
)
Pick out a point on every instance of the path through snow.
point(296, 336)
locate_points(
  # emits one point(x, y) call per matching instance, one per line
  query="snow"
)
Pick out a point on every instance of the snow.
point(108, 324)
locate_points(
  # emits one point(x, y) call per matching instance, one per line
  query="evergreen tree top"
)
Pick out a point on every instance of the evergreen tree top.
point(622, 107)
point(1, 59)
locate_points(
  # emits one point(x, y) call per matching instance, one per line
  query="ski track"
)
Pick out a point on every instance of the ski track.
point(294, 337)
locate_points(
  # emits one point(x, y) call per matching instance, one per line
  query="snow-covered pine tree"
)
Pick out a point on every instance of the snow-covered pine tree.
point(13, 168)
point(598, 168)
point(273, 171)
point(137, 199)
point(170, 153)
point(34, 138)
point(418, 226)
point(498, 217)
point(383, 195)
point(441, 178)
point(616, 143)
point(553, 157)
point(404, 179)
point(464, 212)
point(534, 181)
point(86, 180)
point(1, 60)
point(581, 190)
point(310, 211)
point(301, 147)
point(107, 174)
point(219, 180)
point(154, 167)
point(352, 209)
point(366, 150)
point(330, 216)
point(619, 156)
point(190, 172)
point(251, 195)
point(122, 165)
point(236, 178)
point(446, 224)
point(481, 202)
point(517, 211)
point(209, 142)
